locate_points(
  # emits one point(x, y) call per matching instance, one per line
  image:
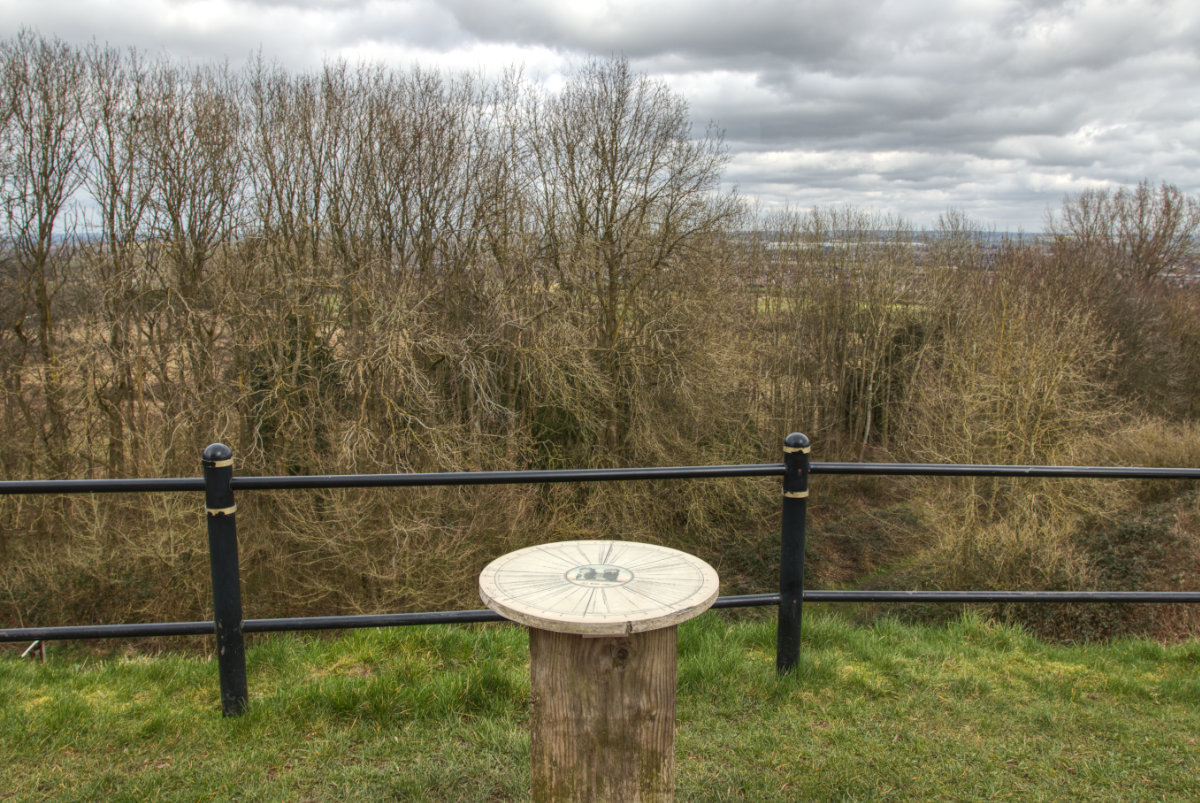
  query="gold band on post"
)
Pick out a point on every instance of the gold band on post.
point(222, 463)
point(221, 511)
point(795, 494)
point(795, 449)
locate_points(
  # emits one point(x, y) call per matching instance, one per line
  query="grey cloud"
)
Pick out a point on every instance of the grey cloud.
point(811, 31)
point(311, 5)
point(295, 32)
point(997, 107)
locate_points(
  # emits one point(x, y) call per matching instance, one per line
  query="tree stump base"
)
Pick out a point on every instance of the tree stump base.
point(603, 716)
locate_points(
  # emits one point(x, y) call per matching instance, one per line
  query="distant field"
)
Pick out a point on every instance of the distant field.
point(968, 711)
point(772, 305)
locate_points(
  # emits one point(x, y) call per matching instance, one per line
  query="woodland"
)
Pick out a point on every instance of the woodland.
point(366, 268)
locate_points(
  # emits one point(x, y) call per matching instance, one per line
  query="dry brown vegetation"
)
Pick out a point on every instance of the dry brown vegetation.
point(368, 269)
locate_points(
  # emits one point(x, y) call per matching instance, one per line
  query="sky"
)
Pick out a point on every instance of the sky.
point(997, 109)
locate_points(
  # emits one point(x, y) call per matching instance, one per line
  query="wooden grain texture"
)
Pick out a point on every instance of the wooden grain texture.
point(603, 716)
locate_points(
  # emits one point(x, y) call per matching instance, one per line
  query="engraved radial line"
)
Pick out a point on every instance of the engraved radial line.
point(546, 599)
point(548, 593)
point(651, 597)
point(587, 605)
point(664, 584)
point(586, 558)
point(536, 579)
point(618, 596)
point(583, 596)
point(559, 588)
point(532, 576)
point(562, 597)
point(528, 588)
point(671, 562)
point(608, 554)
point(558, 559)
point(599, 551)
point(656, 561)
point(664, 576)
point(525, 588)
point(670, 569)
point(542, 558)
point(630, 602)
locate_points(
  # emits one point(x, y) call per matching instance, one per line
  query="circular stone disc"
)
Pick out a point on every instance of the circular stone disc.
point(598, 588)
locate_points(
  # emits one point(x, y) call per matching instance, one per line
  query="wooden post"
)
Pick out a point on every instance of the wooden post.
point(603, 716)
point(602, 619)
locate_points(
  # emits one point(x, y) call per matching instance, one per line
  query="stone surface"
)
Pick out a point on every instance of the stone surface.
point(598, 588)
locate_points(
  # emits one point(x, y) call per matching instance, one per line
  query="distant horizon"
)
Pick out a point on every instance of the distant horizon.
point(94, 234)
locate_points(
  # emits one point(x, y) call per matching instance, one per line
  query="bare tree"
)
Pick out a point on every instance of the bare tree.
point(45, 138)
point(120, 179)
point(1111, 254)
point(835, 324)
point(1155, 228)
point(625, 194)
point(1138, 233)
point(197, 157)
point(195, 141)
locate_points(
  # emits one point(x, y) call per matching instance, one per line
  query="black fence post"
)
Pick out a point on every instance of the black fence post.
point(791, 552)
point(220, 511)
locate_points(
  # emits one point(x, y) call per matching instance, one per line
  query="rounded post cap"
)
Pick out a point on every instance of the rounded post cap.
point(797, 440)
point(216, 452)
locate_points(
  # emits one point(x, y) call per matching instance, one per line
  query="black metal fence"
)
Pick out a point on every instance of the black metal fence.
point(219, 484)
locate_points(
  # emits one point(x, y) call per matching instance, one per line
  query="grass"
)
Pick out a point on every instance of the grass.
point(968, 711)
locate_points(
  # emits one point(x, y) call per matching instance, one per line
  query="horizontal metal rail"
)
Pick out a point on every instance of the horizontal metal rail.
point(299, 623)
point(1004, 596)
point(448, 478)
point(455, 478)
point(82, 632)
point(432, 479)
point(981, 470)
point(137, 486)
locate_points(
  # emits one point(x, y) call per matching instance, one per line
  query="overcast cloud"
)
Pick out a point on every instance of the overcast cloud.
point(996, 108)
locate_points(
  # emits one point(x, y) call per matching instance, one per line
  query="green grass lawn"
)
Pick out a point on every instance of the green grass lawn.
point(968, 711)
